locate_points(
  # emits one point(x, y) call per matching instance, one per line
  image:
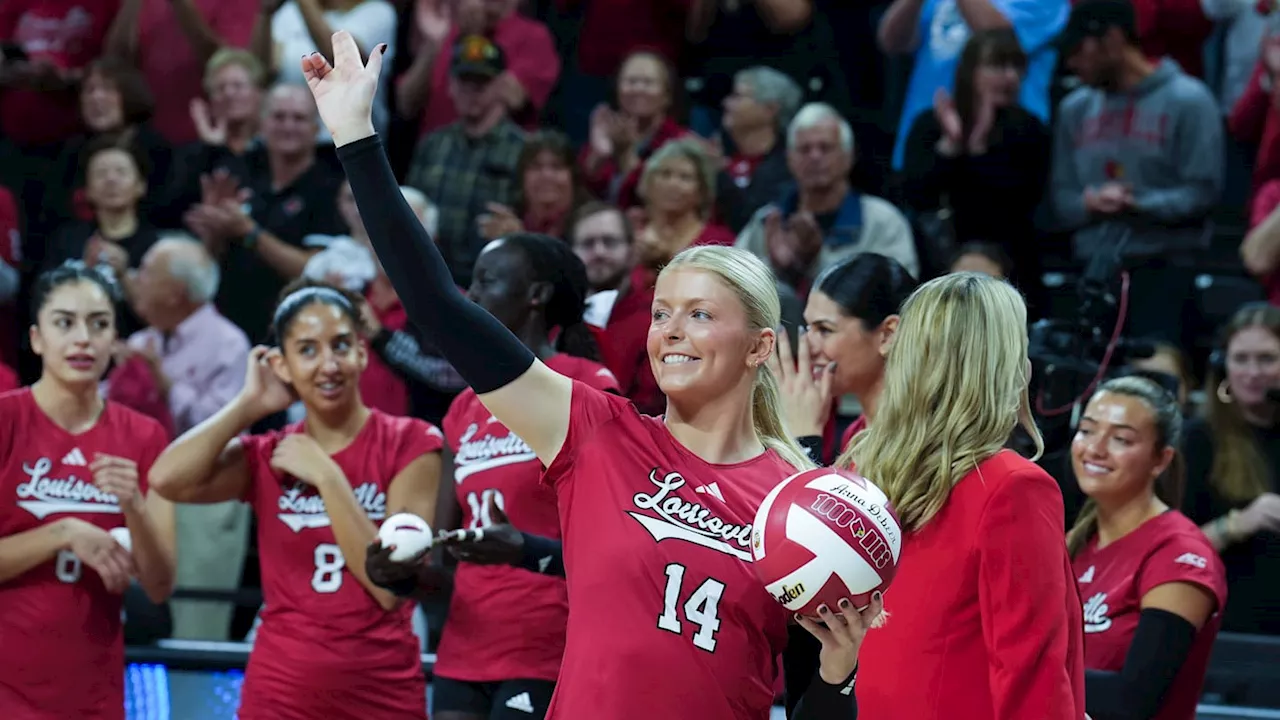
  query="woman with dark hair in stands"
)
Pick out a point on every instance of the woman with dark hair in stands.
point(1233, 467)
point(74, 469)
point(331, 643)
point(535, 286)
point(980, 155)
point(686, 617)
point(114, 101)
point(547, 191)
point(1152, 585)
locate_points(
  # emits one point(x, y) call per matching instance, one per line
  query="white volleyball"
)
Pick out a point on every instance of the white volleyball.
point(407, 533)
point(123, 538)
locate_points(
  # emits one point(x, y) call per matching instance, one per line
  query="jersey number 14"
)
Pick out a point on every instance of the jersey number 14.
point(700, 608)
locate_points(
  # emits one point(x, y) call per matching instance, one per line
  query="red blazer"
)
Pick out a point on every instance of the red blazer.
point(984, 618)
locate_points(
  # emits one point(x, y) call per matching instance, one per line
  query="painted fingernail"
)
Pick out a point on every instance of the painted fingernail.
point(797, 617)
point(382, 49)
point(844, 604)
point(877, 596)
point(823, 610)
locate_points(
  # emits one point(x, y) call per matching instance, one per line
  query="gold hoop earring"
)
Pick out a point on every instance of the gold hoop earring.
point(1224, 393)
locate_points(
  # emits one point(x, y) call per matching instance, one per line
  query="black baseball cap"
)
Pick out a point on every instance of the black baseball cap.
point(476, 56)
point(1093, 18)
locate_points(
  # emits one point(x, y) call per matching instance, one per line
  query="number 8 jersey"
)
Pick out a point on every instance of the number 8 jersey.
point(60, 628)
point(326, 648)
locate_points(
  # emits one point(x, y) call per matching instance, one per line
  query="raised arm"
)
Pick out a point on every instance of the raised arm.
point(520, 391)
point(207, 464)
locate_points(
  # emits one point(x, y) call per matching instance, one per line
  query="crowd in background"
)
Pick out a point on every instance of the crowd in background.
point(173, 141)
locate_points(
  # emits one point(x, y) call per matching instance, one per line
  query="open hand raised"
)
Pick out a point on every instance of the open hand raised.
point(344, 90)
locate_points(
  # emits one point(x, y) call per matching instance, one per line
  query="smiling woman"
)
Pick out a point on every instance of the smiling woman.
point(683, 614)
point(1153, 586)
point(330, 639)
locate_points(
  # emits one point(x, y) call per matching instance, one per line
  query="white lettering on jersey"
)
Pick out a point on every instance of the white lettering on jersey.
point(43, 495)
point(1095, 614)
point(303, 512)
point(1193, 560)
point(488, 452)
point(680, 519)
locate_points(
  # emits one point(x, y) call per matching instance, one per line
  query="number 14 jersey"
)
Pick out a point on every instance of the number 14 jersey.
point(666, 616)
point(326, 648)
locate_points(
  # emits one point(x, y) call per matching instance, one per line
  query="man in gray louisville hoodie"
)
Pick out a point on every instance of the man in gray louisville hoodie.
point(1138, 162)
point(1139, 145)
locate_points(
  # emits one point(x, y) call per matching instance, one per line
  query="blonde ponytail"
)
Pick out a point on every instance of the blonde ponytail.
point(1085, 527)
point(766, 412)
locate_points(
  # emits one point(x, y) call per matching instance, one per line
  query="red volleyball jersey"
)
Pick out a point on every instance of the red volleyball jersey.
point(325, 648)
point(63, 647)
point(505, 623)
point(666, 616)
point(1167, 548)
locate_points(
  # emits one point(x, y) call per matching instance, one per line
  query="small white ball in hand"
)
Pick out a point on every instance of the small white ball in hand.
point(407, 533)
point(123, 538)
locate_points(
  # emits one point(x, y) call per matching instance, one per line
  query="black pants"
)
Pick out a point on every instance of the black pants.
point(500, 700)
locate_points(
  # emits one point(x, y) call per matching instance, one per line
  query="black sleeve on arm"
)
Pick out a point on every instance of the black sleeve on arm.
point(812, 445)
point(485, 353)
point(542, 555)
point(824, 701)
point(1160, 647)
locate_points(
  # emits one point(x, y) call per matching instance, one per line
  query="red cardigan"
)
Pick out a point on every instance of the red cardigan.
point(985, 620)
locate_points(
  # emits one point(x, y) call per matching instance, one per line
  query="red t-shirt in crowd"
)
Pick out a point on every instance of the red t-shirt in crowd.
point(1168, 548)
point(1265, 200)
point(64, 649)
point(326, 648)
point(380, 387)
point(66, 33)
point(170, 65)
point(531, 58)
point(667, 619)
point(604, 181)
point(983, 614)
point(489, 600)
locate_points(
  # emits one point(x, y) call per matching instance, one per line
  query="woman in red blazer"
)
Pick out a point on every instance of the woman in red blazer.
point(983, 620)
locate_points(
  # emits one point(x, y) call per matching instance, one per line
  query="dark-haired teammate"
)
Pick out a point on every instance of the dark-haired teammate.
point(73, 467)
point(332, 645)
point(484, 670)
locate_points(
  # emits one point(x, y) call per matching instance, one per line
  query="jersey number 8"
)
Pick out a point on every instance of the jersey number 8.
point(67, 568)
point(329, 564)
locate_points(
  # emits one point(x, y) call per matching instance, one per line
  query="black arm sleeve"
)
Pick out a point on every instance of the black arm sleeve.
point(1160, 646)
point(542, 555)
point(824, 701)
point(486, 354)
point(812, 445)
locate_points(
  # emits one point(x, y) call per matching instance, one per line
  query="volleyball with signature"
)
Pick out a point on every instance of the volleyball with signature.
point(823, 535)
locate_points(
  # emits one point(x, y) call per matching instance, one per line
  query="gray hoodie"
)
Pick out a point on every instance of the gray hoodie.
point(1163, 138)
